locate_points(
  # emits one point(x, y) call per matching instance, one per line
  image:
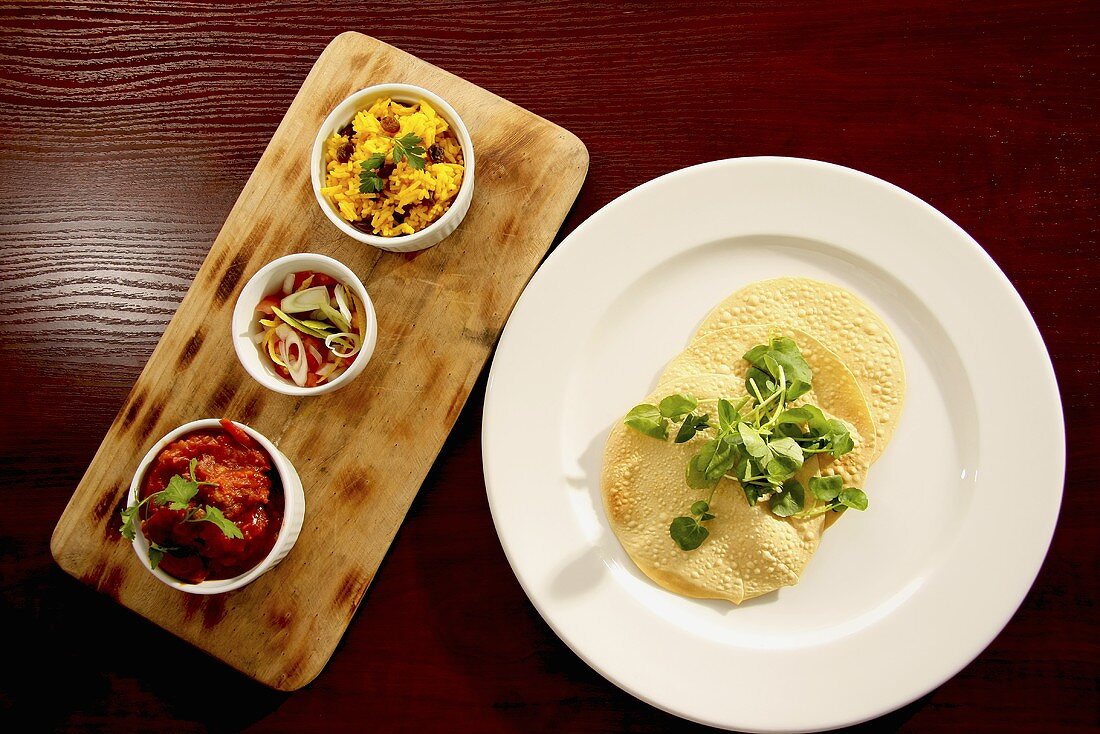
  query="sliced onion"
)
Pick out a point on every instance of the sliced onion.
point(347, 341)
point(309, 299)
point(271, 351)
point(297, 366)
point(288, 283)
point(259, 338)
point(342, 302)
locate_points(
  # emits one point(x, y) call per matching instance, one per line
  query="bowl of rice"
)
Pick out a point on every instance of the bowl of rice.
point(393, 167)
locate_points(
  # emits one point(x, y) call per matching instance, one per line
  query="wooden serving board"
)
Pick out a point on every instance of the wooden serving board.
point(362, 451)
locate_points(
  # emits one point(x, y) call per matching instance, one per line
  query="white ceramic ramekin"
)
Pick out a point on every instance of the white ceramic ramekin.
point(342, 115)
point(294, 512)
point(246, 324)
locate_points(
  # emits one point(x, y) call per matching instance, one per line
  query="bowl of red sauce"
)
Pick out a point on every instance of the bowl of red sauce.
point(213, 506)
point(304, 325)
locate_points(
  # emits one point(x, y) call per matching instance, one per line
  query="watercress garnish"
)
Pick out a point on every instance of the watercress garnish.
point(778, 361)
point(834, 496)
point(692, 424)
point(688, 532)
point(790, 501)
point(761, 442)
point(647, 419)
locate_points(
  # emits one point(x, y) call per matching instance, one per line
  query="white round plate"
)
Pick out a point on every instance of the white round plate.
point(897, 599)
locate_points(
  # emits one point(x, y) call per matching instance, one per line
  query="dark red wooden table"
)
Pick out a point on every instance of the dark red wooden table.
point(129, 129)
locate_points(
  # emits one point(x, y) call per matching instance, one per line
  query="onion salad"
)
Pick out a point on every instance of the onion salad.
point(312, 328)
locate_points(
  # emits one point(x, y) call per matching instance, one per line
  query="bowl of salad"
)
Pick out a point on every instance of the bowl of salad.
point(304, 325)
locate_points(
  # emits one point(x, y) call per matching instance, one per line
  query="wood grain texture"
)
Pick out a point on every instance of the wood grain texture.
point(987, 110)
point(363, 450)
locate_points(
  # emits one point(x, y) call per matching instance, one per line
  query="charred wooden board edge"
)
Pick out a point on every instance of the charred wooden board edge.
point(106, 577)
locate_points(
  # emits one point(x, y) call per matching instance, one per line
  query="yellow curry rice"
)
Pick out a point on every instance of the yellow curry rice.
point(413, 195)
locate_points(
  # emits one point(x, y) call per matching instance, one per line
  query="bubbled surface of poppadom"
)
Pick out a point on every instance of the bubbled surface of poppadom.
point(839, 320)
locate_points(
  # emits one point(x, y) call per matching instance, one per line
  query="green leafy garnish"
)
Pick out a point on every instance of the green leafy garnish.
point(834, 496)
point(762, 441)
point(826, 489)
point(180, 491)
point(214, 515)
point(369, 180)
point(128, 514)
point(156, 553)
point(692, 425)
point(698, 465)
point(177, 495)
point(787, 456)
point(688, 532)
point(754, 443)
point(701, 508)
point(853, 498)
point(677, 406)
point(647, 419)
point(778, 364)
point(729, 415)
point(790, 501)
point(407, 147)
point(706, 468)
point(822, 435)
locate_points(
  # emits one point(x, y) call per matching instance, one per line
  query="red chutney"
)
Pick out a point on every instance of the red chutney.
point(246, 489)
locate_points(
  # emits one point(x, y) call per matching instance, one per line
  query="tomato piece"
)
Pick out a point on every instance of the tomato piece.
point(216, 546)
point(312, 362)
point(159, 525)
point(323, 279)
point(266, 305)
point(312, 380)
point(186, 568)
point(237, 434)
